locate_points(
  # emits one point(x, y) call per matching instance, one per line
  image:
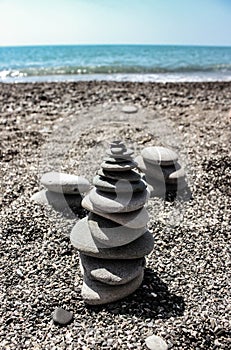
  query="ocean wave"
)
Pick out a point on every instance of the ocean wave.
point(115, 69)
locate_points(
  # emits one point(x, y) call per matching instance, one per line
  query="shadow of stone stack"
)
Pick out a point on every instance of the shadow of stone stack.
point(113, 239)
point(162, 172)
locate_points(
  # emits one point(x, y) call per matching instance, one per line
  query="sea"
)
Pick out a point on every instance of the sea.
point(138, 63)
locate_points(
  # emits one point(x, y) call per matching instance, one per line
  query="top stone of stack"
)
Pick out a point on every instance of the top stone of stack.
point(119, 158)
point(159, 155)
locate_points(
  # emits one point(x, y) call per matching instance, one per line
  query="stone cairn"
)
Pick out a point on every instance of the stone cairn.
point(113, 239)
point(162, 171)
point(62, 191)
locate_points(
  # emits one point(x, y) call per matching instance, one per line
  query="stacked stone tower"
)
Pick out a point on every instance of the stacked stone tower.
point(113, 239)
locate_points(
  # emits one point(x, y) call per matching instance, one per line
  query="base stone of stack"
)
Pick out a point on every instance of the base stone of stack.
point(97, 293)
point(111, 234)
point(81, 238)
point(106, 271)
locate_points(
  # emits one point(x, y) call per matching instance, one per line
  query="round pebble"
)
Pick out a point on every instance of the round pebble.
point(154, 342)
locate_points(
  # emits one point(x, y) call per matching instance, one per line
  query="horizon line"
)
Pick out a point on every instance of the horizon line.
point(116, 44)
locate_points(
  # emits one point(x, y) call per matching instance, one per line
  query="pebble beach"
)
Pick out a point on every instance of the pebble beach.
point(185, 294)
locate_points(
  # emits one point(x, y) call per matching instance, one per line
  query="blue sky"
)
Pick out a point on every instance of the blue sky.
point(32, 22)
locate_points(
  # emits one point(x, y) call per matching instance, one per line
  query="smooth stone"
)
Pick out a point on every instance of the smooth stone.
point(130, 175)
point(97, 293)
point(159, 155)
point(111, 234)
point(65, 183)
point(123, 154)
point(171, 174)
point(82, 239)
point(106, 271)
point(116, 150)
point(129, 109)
point(116, 160)
point(117, 143)
point(117, 202)
point(59, 201)
point(134, 219)
point(154, 342)
point(128, 165)
point(118, 186)
point(62, 316)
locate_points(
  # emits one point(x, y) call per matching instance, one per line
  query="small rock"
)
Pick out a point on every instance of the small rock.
point(129, 109)
point(62, 316)
point(154, 342)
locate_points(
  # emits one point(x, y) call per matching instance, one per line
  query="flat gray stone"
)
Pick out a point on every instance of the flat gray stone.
point(130, 175)
point(123, 154)
point(62, 316)
point(159, 155)
point(82, 239)
point(134, 219)
point(118, 186)
point(109, 272)
point(117, 202)
point(111, 234)
point(116, 160)
point(125, 166)
point(58, 201)
point(65, 183)
point(129, 109)
point(154, 342)
point(97, 293)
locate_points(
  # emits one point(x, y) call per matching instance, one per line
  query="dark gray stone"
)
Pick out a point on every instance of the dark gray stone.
point(130, 175)
point(62, 316)
point(97, 293)
point(106, 271)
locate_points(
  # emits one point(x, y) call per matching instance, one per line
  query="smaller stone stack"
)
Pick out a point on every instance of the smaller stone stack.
point(62, 191)
point(162, 171)
point(113, 239)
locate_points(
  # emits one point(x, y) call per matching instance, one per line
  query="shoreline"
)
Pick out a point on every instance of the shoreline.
point(179, 77)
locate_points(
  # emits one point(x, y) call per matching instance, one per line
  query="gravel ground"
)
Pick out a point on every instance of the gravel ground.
point(185, 296)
